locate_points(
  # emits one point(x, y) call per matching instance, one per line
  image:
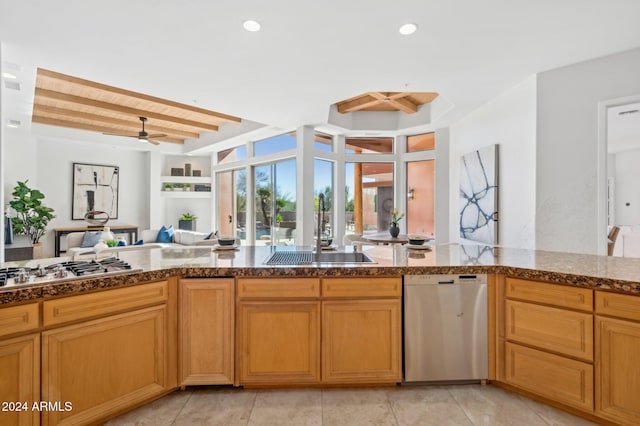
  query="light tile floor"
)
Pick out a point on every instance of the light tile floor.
point(402, 405)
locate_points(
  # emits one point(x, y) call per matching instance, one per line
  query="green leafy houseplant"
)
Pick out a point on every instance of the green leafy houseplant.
point(187, 216)
point(32, 216)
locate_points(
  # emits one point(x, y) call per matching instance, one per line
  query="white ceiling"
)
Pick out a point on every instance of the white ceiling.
point(309, 54)
point(623, 128)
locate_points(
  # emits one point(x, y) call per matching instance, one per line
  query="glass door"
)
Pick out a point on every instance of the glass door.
point(232, 203)
point(275, 203)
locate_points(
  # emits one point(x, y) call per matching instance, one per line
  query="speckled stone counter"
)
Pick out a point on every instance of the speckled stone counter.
point(601, 272)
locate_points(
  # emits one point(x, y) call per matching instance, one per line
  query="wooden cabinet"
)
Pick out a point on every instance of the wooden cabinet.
point(617, 357)
point(207, 313)
point(278, 331)
point(104, 361)
point(20, 363)
point(546, 340)
point(279, 342)
point(280, 322)
point(361, 341)
point(20, 379)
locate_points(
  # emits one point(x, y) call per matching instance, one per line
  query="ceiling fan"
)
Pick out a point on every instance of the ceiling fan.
point(142, 135)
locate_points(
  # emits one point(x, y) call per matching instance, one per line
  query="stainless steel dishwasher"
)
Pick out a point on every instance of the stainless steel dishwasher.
point(445, 328)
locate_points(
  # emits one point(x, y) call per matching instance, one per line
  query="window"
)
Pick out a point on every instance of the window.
point(279, 143)
point(323, 184)
point(369, 145)
point(323, 142)
point(369, 197)
point(423, 142)
point(232, 154)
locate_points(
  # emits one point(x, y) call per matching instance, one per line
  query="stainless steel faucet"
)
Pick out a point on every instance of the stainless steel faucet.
point(320, 231)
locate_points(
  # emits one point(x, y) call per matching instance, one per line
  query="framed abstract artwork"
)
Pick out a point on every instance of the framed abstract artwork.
point(479, 195)
point(95, 189)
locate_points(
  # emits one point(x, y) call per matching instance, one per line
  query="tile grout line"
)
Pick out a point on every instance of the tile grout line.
point(395, 417)
point(462, 408)
point(182, 408)
point(253, 404)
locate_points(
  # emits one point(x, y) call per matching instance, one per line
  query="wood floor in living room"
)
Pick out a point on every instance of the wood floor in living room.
point(402, 405)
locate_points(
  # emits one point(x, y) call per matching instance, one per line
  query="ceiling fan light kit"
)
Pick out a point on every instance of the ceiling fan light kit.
point(142, 135)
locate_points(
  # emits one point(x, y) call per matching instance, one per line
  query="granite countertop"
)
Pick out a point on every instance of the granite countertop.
point(589, 271)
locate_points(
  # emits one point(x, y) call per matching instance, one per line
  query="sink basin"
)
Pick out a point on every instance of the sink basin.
point(309, 257)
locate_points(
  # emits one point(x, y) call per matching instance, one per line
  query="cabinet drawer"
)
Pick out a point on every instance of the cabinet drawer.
point(278, 288)
point(74, 308)
point(566, 332)
point(551, 294)
point(557, 378)
point(618, 305)
point(362, 287)
point(17, 319)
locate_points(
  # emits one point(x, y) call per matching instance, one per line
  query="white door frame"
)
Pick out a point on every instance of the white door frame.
point(601, 216)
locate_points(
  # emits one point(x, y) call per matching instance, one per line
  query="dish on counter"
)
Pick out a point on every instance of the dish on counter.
point(418, 246)
point(219, 247)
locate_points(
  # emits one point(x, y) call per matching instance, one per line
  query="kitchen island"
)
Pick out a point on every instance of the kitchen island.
point(563, 328)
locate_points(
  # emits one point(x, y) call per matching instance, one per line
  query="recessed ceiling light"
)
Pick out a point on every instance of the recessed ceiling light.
point(14, 124)
point(408, 29)
point(8, 75)
point(251, 25)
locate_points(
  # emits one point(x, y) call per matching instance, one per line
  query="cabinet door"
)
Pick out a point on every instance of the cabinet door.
point(206, 331)
point(20, 379)
point(555, 377)
point(618, 370)
point(361, 341)
point(279, 342)
point(105, 365)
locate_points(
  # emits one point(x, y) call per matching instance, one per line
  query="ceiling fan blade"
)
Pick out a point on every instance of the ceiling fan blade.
point(126, 135)
point(153, 142)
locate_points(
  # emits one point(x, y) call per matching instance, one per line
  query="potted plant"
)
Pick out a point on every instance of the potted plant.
point(32, 216)
point(177, 186)
point(187, 187)
point(187, 221)
point(168, 187)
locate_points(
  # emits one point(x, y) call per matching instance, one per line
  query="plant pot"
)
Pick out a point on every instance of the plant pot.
point(394, 231)
point(37, 251)
point(188, 225)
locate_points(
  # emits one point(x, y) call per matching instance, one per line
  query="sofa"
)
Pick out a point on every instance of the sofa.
point(148, 237)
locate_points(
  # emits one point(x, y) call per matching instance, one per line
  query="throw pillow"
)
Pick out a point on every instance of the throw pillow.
point(138, 243)
point(90, 239)
point(165, 235)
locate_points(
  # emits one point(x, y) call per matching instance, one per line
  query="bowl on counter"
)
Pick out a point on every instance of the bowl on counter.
point(226, 241)
point(416, 240)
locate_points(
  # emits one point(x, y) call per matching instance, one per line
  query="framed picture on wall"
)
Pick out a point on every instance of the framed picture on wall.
point(95, 189)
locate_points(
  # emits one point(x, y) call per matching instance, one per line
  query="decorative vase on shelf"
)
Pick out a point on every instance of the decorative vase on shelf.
point(394, 230)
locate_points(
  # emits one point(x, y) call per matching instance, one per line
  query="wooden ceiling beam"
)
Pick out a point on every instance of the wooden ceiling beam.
point(357, 104)
point(51, 94)
point(133, 126)
point(83, 126)
point(397, 100)
point(92, 84)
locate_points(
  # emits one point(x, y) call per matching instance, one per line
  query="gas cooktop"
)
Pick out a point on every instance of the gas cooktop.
point(64, 271)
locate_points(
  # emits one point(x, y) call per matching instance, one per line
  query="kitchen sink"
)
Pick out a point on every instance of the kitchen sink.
point(309, 257)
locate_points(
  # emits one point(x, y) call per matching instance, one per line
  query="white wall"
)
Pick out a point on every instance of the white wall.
point(54, 161)
point(567, 206)
point(627, 188)
point(509, 121)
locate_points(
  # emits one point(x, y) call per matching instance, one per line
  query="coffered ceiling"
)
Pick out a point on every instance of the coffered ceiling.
point(407, 102)
point(66, 101)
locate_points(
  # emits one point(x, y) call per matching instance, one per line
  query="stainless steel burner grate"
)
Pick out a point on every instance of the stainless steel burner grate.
point(290, 258)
